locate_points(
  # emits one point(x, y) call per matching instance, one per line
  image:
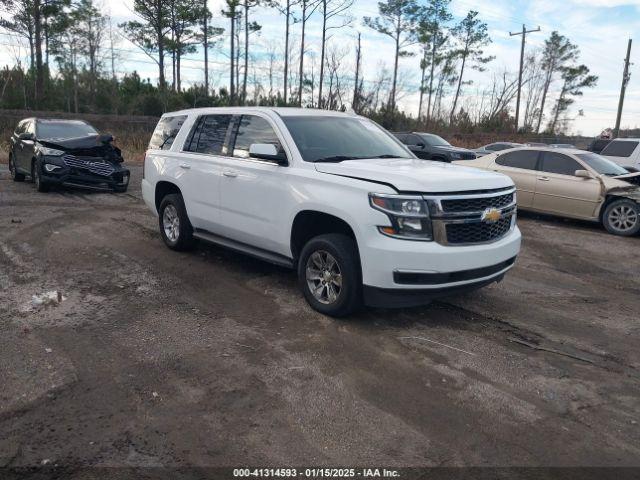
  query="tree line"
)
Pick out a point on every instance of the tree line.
point(74, 48)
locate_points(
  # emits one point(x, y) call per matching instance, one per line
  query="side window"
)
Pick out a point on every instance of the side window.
point(525, 159)
point(165, 132)
point(494, 147)
point(402, 137)
point(553, 162)
point(253, 129)
point(208, 135)
point(501, 146)
point(414, 140)
point(619, 148)
point(21, 127)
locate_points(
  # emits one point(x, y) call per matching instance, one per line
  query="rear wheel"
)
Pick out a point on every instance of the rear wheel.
point(622, 217)
point(41, 185)
point(17, 177)
point(175, 227)
point(329, 274)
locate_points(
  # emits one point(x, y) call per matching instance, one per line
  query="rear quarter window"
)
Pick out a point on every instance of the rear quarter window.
point(166, 132)
point(619, 148)
point(525, 159)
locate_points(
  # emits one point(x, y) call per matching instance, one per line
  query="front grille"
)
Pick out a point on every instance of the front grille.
point(465, 233)
point(633, 180)
point(90, 164)
point(476, 204)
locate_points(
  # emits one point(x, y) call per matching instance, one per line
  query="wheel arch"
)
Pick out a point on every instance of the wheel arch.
point(164, 188)
point(310, 223)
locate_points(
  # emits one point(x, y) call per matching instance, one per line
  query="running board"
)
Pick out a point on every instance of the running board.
point(259, 253)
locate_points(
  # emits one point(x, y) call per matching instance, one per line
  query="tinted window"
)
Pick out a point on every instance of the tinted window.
point(208, 135)
point(165, 132)
point(601, 165)
point(493, 147)
point(402, 137)
point(253, 129)
point(558, 163)
point(20, 128)
point(619, 148)
point(52, 129)
point(434, 140)
point(336, 138)
point(526, 159)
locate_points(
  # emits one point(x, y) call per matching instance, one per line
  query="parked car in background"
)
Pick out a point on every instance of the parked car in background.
point(562, 145)
point(325, 193)
point(65, 152)
point(495, 147)
point(624, 152)
point(571, 183)
point(598, 144)
point(428, 146)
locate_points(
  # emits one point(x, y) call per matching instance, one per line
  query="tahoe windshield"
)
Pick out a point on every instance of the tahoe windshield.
point(334, 139)
point(59, 130)
point(434, 140)
point(601, 165)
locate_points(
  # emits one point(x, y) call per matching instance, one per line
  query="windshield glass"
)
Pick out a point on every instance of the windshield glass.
point(333, 139)
point(601, 165)
point(58, 130)
point(434, 140)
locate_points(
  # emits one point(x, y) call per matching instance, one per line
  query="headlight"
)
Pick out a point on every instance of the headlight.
point(50, 151)
point(408, 214)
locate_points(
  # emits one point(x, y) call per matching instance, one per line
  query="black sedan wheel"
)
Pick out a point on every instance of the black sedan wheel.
point(17, 177)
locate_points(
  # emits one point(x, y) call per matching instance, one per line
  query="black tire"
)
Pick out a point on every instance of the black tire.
point(41, 185)
point(344, 251)
point(120, 189)
point(622, 217)
point(17, 177)
point(184, 231)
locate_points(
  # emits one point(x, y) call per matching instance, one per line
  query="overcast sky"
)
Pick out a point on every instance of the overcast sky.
point(600, 28)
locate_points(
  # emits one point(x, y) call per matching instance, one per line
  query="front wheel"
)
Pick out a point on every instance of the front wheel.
point(175, 227)
point(329, 274)
point(40, 184)
point(17, 177)
point(622, 217)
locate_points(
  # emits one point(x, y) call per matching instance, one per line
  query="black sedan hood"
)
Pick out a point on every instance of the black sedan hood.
point(87, 146)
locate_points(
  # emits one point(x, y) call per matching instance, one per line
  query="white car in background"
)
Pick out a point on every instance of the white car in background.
point(624, 151)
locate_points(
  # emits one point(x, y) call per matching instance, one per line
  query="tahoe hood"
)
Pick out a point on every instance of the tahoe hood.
point(413, 175)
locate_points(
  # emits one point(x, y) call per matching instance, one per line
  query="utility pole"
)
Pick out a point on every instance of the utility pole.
point(524, 34)
point(625, 80)
point(205, 34)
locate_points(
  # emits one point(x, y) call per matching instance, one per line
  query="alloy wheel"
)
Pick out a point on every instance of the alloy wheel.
point(324, 277)
point(623, 218)
point(171, 223)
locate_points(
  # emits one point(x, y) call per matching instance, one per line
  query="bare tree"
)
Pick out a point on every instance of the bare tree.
point(329, 10)
point(308, 8)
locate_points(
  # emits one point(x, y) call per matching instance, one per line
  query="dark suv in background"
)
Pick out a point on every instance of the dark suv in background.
point(66, 152)
point(432, 147)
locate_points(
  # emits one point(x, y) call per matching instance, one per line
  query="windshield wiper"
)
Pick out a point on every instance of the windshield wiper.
point(386, 155)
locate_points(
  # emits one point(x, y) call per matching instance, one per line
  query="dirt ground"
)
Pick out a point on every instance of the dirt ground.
point(155, 358)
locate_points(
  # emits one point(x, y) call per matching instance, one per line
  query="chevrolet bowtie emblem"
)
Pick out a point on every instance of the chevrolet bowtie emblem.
point(491, 215)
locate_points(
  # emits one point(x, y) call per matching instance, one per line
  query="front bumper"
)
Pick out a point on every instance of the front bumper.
point(77, 177)
point(403, 273)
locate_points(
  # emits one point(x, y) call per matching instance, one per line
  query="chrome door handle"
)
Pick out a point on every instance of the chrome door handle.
point(186, 166)
point(543, 179)
point(230, 174)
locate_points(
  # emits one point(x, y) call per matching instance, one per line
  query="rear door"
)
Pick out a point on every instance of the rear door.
point(253, 192)
point(559, 191)
point(202, 160)
point(520, 166)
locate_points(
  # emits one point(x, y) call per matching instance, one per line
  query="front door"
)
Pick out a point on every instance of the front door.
point(253, 192)
point(559, 191)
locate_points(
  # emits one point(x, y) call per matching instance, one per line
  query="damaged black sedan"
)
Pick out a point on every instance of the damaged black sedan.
point(66, 152)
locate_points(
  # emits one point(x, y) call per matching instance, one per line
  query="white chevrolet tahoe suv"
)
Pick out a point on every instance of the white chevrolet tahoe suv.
point(333, 195)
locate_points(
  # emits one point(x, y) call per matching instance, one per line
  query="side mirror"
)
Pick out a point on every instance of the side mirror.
point(267, 151)
point(26, 136)
point(583, 174)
